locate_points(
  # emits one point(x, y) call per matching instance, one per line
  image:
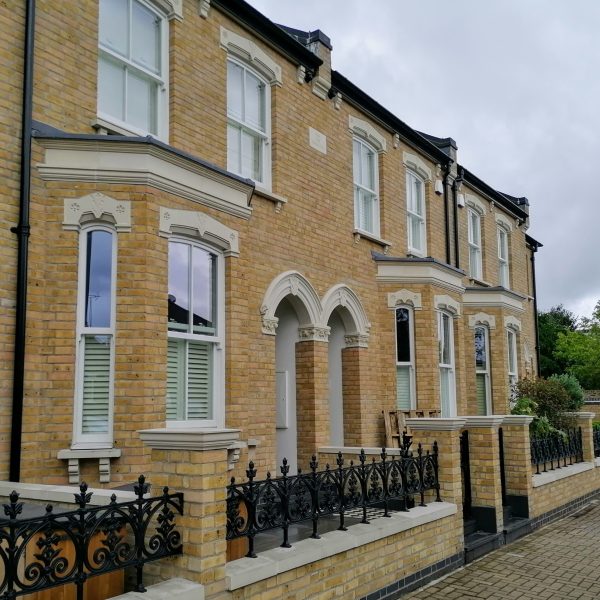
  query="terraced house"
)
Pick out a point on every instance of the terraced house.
point(222, 250)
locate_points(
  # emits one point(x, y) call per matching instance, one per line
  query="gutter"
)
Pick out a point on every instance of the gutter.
point(455, 187)
point(446, 212)
point(534, 248)
point(22, 232)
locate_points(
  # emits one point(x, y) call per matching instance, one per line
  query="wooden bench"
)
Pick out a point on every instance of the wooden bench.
point(395, 424)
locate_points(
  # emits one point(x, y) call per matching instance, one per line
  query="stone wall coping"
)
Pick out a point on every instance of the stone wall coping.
point(62, 493)
point(436, 424)
point(581, 414)
point(491, 421)
point(356, 450)
point(517, 420)
point(558, 474)
point(175, 589)
point(189, 438)
point(245, 571)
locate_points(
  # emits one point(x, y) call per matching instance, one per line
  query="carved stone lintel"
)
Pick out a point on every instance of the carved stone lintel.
point(357, 340)
point(312, 333)
point(203, 8)
point(405, 296)
point(482, 318)
point(99, 207)
point(513, 323)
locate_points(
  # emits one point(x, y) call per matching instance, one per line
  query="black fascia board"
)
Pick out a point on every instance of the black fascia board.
point(492, 194)
point(533, 242)
point(269, 32)
point(354, 95)
point(42, 131)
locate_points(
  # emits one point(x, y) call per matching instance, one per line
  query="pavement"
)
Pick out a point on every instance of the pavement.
point(558, 561)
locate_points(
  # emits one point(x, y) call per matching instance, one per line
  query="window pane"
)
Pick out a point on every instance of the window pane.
point(179, 285)
point(356, 161)
point(96, 383)
point(145, 43)
point(141, 102)
point(480, 349)
point(235, 73)
point(445, 391)
point(511, 352)
point(111, 88)
point(234, 149)
point(415, 232)
point(203, 265)
point(251, 156)
point(503, 274)
point(403, 388)
point(368, 167)
point(98, 284)
point(417, 196)
point(114, 25)
point(474, 262)
point(403, 335)
point(367, 208)
point(445, 338)
point(255, 102)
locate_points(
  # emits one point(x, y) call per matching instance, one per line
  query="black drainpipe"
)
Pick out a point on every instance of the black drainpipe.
point(455, 185)
point(22, 231)
point(446, 212)
point(534, 249)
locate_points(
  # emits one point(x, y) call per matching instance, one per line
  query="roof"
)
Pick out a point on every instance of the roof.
point(306, 38)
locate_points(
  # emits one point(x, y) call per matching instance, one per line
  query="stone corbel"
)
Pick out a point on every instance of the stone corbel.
point(103, 455)
point(301, 74)
point(315, 334)
point(203, 8)
point(233, 454)
point(320, 87)
point(357, 340)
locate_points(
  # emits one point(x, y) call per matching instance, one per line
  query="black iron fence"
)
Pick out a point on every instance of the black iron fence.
point(596, 442)
point(557, 450)
point(276, 503)
point(57, 548)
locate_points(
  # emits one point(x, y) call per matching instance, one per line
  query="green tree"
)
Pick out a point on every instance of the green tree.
point(551, 323)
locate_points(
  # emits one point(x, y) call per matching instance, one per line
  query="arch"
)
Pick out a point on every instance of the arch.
point(99, 209)
point(476, 204)
point(302, 297)
point(353, 314)
point(366, 131)
point(482, 318)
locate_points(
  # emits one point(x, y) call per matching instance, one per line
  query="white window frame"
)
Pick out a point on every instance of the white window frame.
point(93, 440)
point(410, 364)
point(511, 348)
point(503, 262)
point(475, 245)
point(265, 136)
point(412, 215)
point(450, 367)
point(360, 187)
point(162, 81)
point(486, 371)
point(218, 341)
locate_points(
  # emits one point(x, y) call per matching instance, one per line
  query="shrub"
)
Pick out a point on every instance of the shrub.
point(573, 387)
point(551, 401)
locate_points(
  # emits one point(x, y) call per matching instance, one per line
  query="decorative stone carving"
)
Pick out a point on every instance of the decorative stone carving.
point(482, 318)
point(316, 334)
point(97, 207)
point(513, 323)
point(320, 87)
point(301, 74)
point(445, 302)
point(396, 141)
point(357, 341)
point(367, 131)
point(504, 221)
point(203, 8)
point(404, 296)
point(417, 164)
point(475, 203)
point(353, 314)
point(197, 224)
point(337, 101)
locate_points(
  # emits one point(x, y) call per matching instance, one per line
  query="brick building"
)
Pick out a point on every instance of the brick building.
point(321, 260)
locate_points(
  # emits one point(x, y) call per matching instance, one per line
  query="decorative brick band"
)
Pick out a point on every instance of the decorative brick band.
point(418, 579)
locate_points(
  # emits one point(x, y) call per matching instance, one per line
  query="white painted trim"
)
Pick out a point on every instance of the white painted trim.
point(100, 208)
point(405, 297)
point(190, 438)
point(176, 588)
point(475, 203)
point(491, 421)
point(144, 164)
point(513, 420)
point(418, 165)
point(354, 316)
point(420, 273)
point(446, 303)
point(246, 571)
point(302, 295)
point(513, 323)
point(201, 226)
point(481, 298)
point(434, 424)
point(540, 479)
point(504, 222)
point(482, 318)
point(246, 50)
point(365, 130)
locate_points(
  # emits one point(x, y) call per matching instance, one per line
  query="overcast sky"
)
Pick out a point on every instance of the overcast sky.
point(515, 82)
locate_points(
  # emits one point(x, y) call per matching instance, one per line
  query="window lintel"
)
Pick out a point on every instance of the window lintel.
point(98, 209)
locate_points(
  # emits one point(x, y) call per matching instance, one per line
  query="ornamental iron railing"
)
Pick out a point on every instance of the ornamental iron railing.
point(58, 548)
point(254, 506)
point(556, 448)
point(596, 442)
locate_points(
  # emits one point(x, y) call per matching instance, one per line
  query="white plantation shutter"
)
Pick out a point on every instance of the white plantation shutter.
point(481, 393)
point(175, 379)
point(96, 383)
point(199, 404)
point(403, 388)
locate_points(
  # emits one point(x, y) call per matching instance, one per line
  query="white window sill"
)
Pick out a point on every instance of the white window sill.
point(361, 233)
point(481, 282)
point(279, 201)
point(562, 473)
point(88, 453)
point(104, 126)
point(245, 571)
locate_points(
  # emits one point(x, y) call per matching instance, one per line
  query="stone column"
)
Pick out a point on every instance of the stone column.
point(194, 461)
point(518, 471)
point(312, 399)
point(584, 420)
point(484, 460)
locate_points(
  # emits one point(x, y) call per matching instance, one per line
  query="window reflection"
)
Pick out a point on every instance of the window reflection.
point(98, 279)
